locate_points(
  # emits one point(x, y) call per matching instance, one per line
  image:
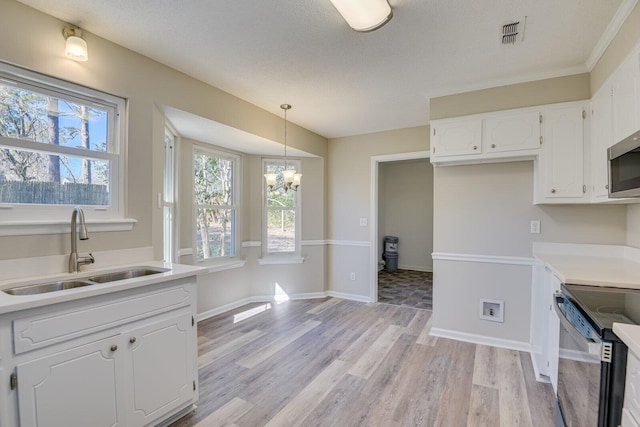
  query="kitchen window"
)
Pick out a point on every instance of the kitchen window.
point(281, 214)
point(215, 191)
point(61, 145)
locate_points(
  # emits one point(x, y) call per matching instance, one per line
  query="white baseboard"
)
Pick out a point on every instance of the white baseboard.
point(352, 297)
point(481, 339)
point(261, 298)
point(415, 268)
point(223, 309)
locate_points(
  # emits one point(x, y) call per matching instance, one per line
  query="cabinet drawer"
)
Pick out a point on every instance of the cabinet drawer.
point(78, 319)
point(632, 387)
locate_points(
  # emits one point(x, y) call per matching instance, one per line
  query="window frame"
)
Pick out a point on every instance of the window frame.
point(19, 219)
point(294, 255)
point(236, 185)
point(170, 200)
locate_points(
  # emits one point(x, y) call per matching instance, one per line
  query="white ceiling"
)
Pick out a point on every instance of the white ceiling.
point(341, 82)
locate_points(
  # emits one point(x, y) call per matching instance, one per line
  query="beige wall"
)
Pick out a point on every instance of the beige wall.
point(405, 206)
point(147, 85)
point(626, 39)
point(549, 91)
point(349, 194)
point(486, 209)
point(144, 83)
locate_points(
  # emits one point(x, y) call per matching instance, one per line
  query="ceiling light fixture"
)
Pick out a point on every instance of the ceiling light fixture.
point(291, 179)
point(76, 47)
point(364, 15)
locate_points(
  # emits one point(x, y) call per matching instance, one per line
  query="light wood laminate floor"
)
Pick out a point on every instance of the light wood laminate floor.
point(333, 362)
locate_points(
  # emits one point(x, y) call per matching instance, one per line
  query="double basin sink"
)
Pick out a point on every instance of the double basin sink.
point(129, 273)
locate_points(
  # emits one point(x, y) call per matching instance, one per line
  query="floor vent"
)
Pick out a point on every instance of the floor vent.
point(512, 32)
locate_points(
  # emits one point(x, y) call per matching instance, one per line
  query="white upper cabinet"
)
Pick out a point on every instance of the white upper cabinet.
point(561, 162)
point(625, 88)
point(512, 131)
point(485, 138)
point(601, 140)
point(457, 138)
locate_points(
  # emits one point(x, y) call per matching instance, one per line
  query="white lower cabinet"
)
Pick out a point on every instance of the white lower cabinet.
point(628, 420)
point(545, 325)
point(159, 366)
point(632, 391)
point(553, 325)
point(133, 368)
point(76, 387)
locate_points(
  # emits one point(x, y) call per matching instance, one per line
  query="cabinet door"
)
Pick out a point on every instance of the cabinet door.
point(601, 140)
point(457, 138)
point(162, 363)
point(539, 318)
point(562, 156)
point(626, 98)
point(511, 132)
point(77, 387)
point(553, 347)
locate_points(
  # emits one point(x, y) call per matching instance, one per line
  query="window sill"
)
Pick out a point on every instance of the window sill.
point(280, 260)
point(226, 265)
point(26, 228)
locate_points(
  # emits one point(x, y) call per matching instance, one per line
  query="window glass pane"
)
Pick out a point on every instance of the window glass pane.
point(214, 232)
point(278, 197)
point(29, 115)
point(213, 180)
point(35, 178)
point(281, 230)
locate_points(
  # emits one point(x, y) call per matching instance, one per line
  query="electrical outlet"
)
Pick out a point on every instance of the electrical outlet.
point(353, 276)
point(534, 226)
point(363, 222)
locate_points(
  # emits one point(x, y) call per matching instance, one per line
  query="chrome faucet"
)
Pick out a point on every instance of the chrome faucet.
point(74, 260)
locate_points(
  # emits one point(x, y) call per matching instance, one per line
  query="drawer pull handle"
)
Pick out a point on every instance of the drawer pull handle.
point(553, 190)
point(493, 145)
point(132, 340)
point(475, 147)
point(114, 347)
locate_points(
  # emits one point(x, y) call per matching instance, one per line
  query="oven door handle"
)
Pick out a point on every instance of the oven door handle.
point(592, 345)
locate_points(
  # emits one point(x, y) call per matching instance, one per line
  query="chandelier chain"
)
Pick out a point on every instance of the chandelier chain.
point(285, 107)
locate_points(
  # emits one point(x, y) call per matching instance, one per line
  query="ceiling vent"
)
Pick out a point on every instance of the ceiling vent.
point(512, 32)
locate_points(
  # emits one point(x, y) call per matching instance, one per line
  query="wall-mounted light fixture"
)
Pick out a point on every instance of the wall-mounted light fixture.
point(291, 179)
point(76, 47)
point(364, 15)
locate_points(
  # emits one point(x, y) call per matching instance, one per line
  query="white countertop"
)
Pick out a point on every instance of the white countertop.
point(12, 303)
point(594, 265)
point(630, 335)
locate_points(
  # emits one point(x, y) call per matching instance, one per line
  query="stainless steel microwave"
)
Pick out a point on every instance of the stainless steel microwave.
point(624, 167)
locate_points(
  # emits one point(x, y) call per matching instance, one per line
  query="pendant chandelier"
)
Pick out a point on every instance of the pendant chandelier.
point(291, 179)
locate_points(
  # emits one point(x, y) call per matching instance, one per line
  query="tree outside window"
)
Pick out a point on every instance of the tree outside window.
point(281, 210)
point(54, 150)
point(214, 183)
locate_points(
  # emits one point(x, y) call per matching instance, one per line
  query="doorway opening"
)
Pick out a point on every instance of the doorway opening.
point(402, 230)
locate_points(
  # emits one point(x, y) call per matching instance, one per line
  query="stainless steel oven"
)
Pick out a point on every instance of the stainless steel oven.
point(592, 362)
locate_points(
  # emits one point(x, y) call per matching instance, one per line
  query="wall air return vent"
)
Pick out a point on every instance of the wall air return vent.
point(512, 32)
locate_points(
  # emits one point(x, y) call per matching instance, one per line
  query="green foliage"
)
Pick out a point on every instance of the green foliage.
point(213, 191)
